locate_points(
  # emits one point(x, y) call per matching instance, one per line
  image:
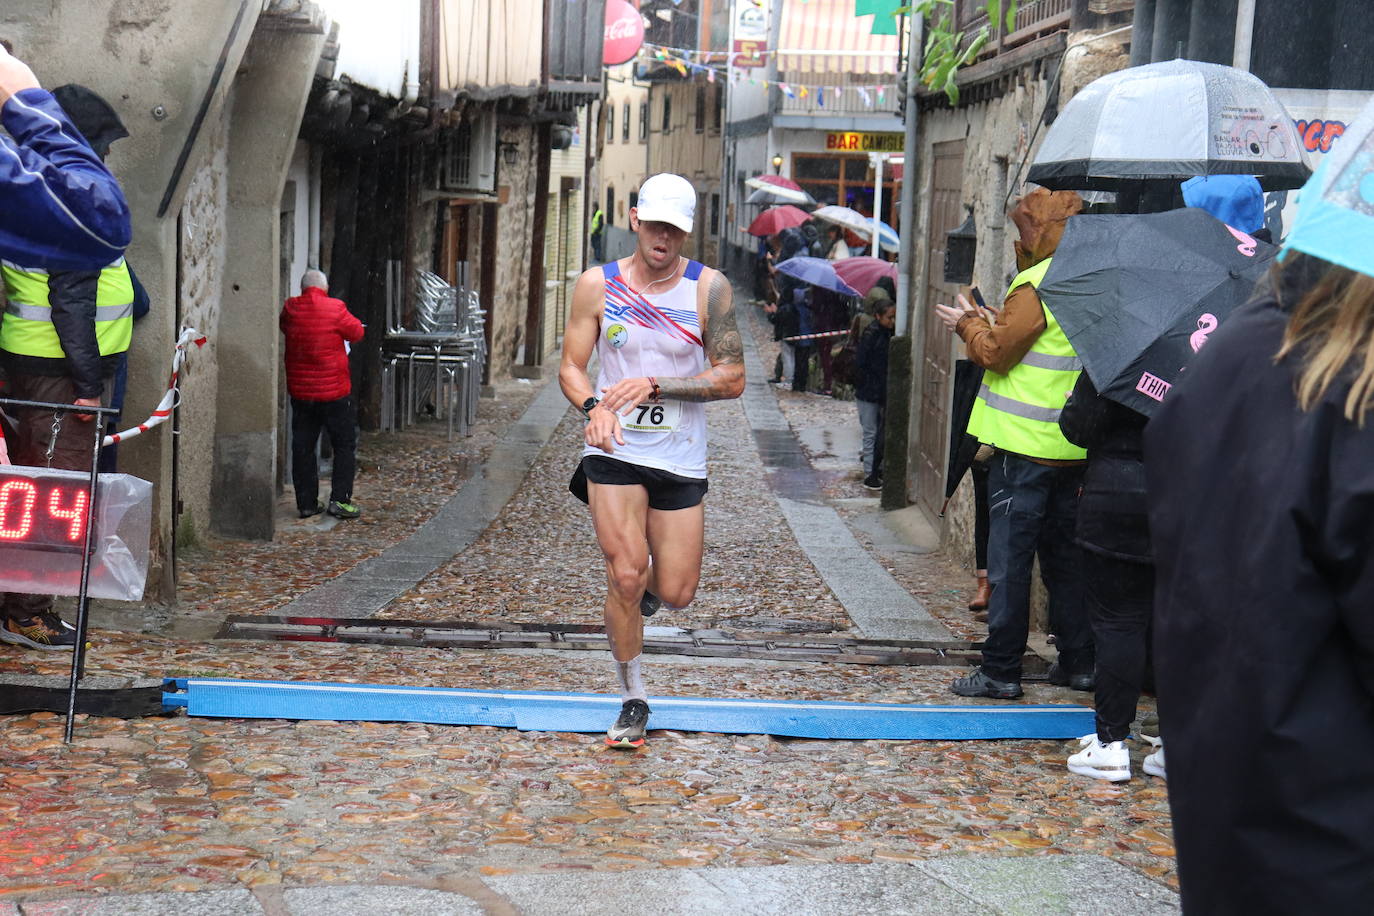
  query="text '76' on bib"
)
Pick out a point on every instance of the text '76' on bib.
point(662, 417)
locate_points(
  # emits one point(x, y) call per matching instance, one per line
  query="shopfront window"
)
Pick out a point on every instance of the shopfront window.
point(846, 181)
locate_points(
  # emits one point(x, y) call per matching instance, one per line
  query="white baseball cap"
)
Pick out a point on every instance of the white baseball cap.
point(667, 198)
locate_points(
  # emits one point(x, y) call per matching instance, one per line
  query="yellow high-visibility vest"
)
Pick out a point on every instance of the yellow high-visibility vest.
point(1019, 411)
point(28, 330)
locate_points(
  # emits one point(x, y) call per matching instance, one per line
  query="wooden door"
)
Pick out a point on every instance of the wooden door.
point(946, 212)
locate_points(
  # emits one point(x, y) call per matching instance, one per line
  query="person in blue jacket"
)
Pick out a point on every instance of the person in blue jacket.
point(60, 208)
point(61, 211)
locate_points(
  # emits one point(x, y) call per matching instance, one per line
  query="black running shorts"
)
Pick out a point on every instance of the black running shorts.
point(666, 491)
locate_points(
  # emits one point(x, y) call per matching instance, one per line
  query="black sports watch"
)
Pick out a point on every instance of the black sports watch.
point(587, 406)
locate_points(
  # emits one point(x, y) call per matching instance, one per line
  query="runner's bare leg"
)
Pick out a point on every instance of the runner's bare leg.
point(620, 517)
point(676, 539)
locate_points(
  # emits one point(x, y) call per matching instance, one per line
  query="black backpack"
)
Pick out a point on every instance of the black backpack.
point(814, 243)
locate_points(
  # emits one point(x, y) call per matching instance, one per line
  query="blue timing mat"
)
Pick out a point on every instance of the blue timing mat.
point(585, 712)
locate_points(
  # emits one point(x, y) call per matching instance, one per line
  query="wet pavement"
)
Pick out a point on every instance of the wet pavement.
point(285, 817)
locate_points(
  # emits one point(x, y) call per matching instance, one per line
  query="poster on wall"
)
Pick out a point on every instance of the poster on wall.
point(1321, 116)
point(751, 34)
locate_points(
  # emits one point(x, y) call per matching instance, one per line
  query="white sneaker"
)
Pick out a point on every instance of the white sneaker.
point(1154, 764)
point(1111, 762)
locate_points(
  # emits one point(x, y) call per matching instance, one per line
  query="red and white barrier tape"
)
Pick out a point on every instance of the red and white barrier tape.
point(816, 336)
point(168, 403)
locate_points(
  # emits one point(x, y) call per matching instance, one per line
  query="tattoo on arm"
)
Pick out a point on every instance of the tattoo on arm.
point(724, 350)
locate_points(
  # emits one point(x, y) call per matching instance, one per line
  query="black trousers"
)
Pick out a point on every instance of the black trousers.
point(801, 370)
point(1032, 513)
point(1120, 598)
point(335, 418)
point(72, 447)
point(979, 472)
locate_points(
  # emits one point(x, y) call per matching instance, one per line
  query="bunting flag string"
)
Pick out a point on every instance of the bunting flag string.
point(711, 64)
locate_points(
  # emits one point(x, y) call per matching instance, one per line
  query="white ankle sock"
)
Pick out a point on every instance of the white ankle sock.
point(631, 682)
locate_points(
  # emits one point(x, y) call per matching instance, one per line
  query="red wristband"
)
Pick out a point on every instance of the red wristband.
point(653, 382)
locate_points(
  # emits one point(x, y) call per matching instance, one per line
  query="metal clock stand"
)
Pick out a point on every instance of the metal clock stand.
point(82, 615)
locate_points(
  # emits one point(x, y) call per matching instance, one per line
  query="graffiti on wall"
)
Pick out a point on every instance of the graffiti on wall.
point(1319, 133)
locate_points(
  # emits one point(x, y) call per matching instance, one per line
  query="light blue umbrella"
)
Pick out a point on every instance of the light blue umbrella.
point(1335, 219)
point(887, 236)
point(817, 272)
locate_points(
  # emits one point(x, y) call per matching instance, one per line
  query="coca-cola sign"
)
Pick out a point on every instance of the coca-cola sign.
point(624, 33)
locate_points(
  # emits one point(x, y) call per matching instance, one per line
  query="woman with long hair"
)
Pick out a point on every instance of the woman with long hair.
point(1260, 469)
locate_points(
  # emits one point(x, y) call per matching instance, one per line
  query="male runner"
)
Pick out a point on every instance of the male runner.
point(664, 331)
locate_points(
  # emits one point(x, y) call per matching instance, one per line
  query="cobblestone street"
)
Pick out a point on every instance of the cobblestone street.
point(480, 816)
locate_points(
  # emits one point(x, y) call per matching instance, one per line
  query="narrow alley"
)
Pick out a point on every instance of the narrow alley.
point(253, 813)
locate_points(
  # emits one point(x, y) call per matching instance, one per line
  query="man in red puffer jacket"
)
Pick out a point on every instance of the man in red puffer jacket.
point(317, 330)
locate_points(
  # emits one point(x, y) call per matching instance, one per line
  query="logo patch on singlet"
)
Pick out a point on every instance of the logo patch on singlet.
point(617, 335)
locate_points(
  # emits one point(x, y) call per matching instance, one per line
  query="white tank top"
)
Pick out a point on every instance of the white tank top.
point(657, 336)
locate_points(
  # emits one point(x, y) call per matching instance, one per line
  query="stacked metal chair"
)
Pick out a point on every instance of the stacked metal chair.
point(433, 353)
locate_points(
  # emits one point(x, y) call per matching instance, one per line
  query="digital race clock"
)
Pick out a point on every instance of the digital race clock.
point(42, 512)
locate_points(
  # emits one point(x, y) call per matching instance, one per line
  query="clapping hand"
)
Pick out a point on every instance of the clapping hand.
point(950, 316)
point(15, 76)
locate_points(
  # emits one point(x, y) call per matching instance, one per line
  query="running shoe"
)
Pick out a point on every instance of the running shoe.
point(649, 604)
point(307, 513)
point(1111, 761)
point(977, 684)
point(628, 730)
point(41, 631)
point(344, 510)
point(1154, 763)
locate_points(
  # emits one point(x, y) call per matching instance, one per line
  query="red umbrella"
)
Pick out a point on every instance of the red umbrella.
point(775, 219)
point(863, 273)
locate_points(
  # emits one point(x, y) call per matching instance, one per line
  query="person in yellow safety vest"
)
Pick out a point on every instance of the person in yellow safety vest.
point(598, 235)
point(62, 340)
point(1035, 473)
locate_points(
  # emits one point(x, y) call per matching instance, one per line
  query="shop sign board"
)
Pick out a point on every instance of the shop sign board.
point(853, 142)
point(751, 34)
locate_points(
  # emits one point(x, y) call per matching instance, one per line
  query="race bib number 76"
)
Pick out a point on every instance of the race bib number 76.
point(652, 418)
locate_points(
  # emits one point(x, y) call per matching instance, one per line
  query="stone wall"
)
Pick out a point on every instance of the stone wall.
point(1000, 139)
point(514, 227)
point(202, 254)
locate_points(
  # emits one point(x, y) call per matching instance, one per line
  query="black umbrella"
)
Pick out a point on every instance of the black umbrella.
point(1138, 295)
point(968, 378)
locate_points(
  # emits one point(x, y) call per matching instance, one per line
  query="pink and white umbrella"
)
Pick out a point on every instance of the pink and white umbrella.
point(863, 273)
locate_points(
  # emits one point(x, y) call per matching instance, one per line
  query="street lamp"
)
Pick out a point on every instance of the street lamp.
point(777, 164)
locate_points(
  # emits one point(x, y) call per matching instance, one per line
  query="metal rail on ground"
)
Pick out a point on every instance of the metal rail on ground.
point(792, 647)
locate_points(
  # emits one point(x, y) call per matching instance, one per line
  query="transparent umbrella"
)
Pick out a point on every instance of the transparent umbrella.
point(1171, 120)
point(1336, 208)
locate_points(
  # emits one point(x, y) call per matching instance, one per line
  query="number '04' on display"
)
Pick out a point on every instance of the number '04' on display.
point(42, 515)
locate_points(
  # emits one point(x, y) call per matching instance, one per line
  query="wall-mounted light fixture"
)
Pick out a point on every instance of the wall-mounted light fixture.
point(510, 152)
point(961, 247)
point(777, 164)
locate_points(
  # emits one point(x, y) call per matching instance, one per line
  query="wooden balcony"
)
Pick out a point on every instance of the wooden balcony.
point(837, 102)
point(1034, 19)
